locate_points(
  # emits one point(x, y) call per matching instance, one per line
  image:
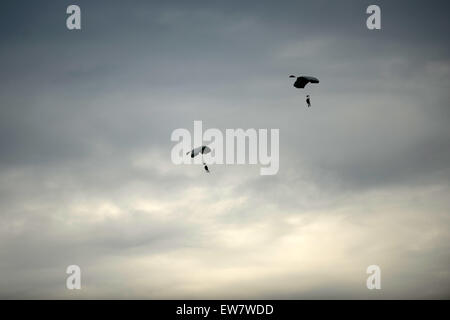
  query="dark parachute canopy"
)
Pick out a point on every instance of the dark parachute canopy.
point(302, 81)
point(199, 150)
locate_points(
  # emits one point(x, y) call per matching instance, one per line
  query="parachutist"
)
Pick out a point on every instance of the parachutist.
point(308, 101)
point(200, 150)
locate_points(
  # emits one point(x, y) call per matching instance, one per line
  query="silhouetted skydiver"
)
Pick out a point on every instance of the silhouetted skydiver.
point(308, 101)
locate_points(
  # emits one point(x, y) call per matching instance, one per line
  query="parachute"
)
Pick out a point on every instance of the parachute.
point(302, 81)
point(196, 151)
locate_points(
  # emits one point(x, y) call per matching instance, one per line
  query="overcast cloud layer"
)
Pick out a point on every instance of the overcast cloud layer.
point(86, 176)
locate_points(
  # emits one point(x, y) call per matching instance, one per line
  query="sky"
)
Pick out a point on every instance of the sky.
point(86, 176)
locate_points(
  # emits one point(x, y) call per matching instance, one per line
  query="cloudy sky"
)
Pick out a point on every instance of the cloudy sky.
point(86, 176)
